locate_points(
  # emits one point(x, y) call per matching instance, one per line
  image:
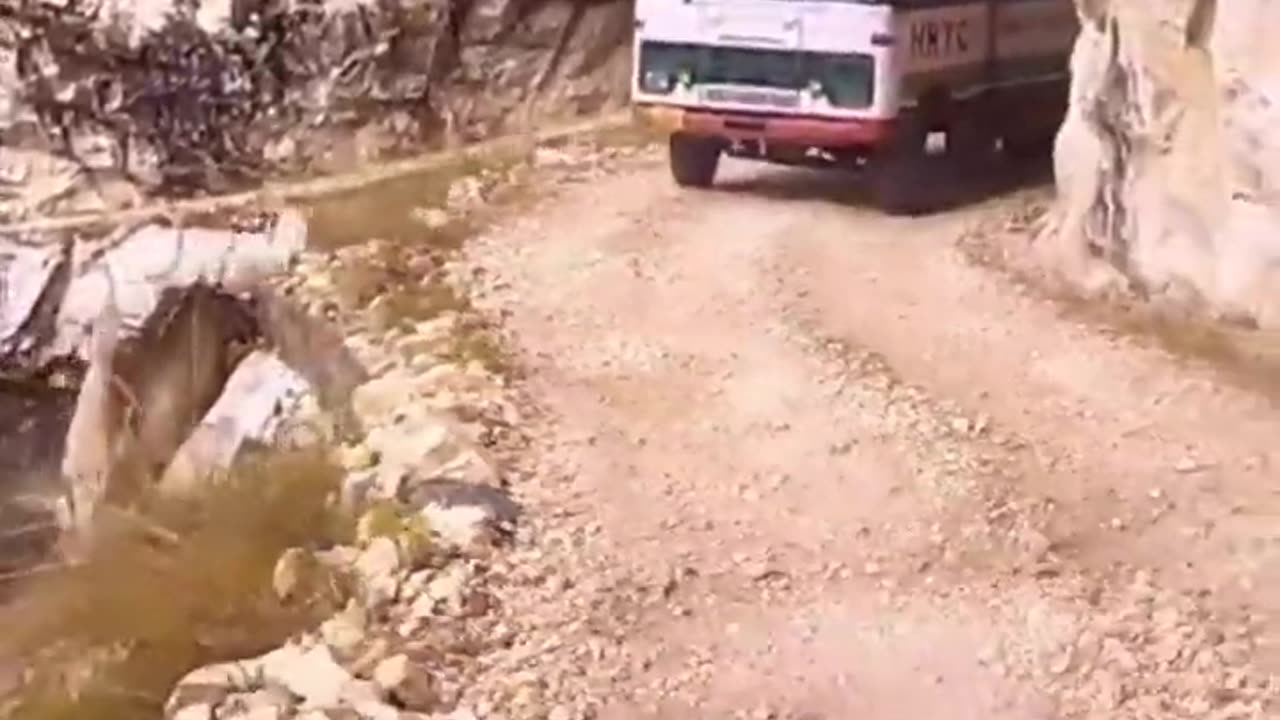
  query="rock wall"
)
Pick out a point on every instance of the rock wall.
point(104, 103)
point(1168, 163)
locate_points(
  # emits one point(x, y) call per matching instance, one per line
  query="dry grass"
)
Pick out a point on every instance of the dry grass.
point(385, 209)
point(404, 276)
point(475, 342)
point(140, 611)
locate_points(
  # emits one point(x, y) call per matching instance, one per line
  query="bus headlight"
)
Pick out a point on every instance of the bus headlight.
point(656, 81)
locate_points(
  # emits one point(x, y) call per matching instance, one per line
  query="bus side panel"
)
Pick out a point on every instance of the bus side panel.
point(990, 67)
point(1033, 44)
point(943, 50)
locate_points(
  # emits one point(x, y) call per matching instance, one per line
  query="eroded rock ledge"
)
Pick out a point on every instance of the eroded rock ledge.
point(1168, 163)
point(105, 103)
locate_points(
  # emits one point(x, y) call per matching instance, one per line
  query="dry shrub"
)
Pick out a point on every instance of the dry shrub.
point(385, 209)
point(475, 341)
point(183, 583)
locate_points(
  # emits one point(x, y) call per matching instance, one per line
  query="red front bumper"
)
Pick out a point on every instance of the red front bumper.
point(782, 129)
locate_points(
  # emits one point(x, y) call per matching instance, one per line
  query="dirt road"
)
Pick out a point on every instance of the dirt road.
point(845, 474)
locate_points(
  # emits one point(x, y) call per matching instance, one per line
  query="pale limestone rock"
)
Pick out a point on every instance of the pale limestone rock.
point(356, 456)
point(134, 274)
point(382, 399)
point(248, 410)
point(308, 672)
point(447, 591)
point(204, 689)
point(410, 685)
point(1168, 162)
point(392, 672)
point(345, 632)
point(410, 446)
point(461, 526)
point(378, 569)
point(433, 218)
point(91, 444)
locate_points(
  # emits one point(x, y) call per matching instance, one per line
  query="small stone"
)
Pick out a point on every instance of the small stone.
point(356, 457)
point(212, 684)
point(377, 401)
point(295, 574)
point(461, 526)
point(391, 672)
point(1187, 465)
point(345, 631)
point(1038, 544)
point(378, 568)
point(411, 686)
point(408, 446)
point(989, 653)
point(449, 588)
point(843, 447)
point(373, 654)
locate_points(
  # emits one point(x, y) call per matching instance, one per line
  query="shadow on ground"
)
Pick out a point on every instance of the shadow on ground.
point(949, 186)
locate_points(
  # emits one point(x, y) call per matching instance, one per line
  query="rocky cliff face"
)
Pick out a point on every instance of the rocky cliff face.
point(1168, 164)
point(103, 103)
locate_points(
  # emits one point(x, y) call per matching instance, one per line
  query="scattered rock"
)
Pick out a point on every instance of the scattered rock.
point(446, 592)
point(346, 632)
point(310, 673)
point(378, 569)
point(465, 515)
point(410, 686)
point(433, 218)
point(291, 572)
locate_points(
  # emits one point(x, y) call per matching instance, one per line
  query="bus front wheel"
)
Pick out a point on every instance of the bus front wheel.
point(694, 160)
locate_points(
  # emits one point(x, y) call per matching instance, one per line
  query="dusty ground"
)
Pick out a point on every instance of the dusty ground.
point(799, 459)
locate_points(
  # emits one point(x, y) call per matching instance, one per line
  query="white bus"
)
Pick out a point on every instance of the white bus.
point(871, 84)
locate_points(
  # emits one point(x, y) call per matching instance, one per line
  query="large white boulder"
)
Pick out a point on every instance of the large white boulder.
point(1168, 164)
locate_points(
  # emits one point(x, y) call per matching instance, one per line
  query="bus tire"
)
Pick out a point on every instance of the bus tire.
point(1030, 148)
point(694, 160)
point(898, 187)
